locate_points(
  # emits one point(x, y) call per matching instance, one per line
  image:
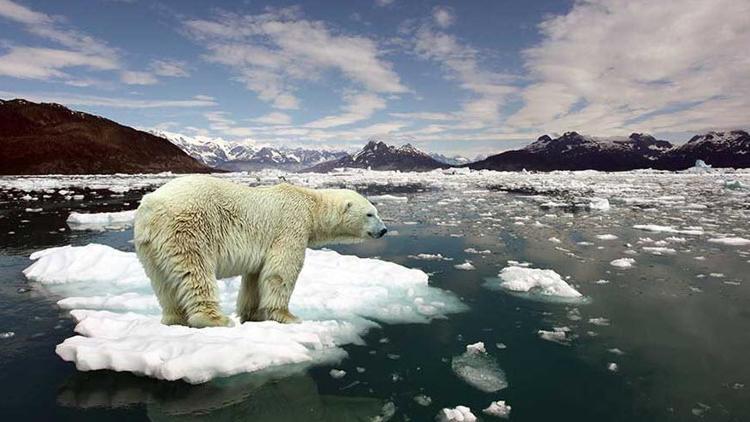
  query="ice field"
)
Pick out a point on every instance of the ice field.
point(586, 295)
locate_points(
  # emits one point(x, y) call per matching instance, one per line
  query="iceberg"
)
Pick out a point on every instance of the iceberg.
point(538, 283)
point(101, 221)
point(338, 297)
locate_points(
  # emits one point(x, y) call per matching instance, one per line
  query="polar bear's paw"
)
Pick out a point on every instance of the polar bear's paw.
point(279, 315)
point(209, 319)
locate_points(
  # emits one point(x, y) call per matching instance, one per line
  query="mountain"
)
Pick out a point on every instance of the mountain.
point(573, 151)
point(455, 160)
point(43, 138)
point(718, 149)
point(243, 156)
point(377, 155)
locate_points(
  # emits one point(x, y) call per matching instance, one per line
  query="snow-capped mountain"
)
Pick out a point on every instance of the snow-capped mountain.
point(455, 160)
point(243, 156)
point(718, 149)
point(378, 155)
point(573, 151)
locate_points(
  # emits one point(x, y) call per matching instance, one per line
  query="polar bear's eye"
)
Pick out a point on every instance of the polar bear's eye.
point(369, 214)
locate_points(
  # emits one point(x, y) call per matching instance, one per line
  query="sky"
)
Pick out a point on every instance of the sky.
point(454, 77)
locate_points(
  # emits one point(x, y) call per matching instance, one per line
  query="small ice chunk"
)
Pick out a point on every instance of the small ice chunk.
point(601, 204)
point(536, 281)
point(101, 221)
point(612, 367)
point(498, 409)
point(602, 322)
point(695, 231)
point(602, 281)
point(616, 351)
point(7, 334)
point(337, 373)
point(479, 369)
point(606, 237)
point(388, 198)
point(557, 335)
point(659, 250)
point(386, 413)
point(623, 263)
point(430, 257)
point(477, 252)
point(731, 241)
point(457, 414)
point(466, 266)
point(423, 400)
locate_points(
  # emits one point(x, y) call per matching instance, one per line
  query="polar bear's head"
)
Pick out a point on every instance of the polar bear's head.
point(355, 218)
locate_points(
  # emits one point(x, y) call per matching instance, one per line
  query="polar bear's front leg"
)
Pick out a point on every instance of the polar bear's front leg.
point(276, 284)
point(248, 298)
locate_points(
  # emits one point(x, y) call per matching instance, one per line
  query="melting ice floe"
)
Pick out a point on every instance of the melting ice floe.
point(731, 241)
point(339, 298)
point(101, 221)
point(479, 369)
point(456, 414)
point(535, 282)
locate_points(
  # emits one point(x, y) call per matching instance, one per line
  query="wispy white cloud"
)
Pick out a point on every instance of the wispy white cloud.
point(46, 63)
point(131, 77)
point(358, 107)
point(611, 66)
point(443, 16)
point(383, 3)
point(170, 68)
point(272, 52)
point(112, 102)
point(274, 118)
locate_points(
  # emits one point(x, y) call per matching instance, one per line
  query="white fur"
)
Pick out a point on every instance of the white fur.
point(197, 228)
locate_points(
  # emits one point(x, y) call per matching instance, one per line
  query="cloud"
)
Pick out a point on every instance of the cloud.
point(271, 53)
point(47, 63)
point(383, 3)
point(112, 102)
point(489, 89)
point(358, 107)
point(130, 77)
point(612, 66)
point(443, 16)
point(170, 68)
point(274, 118)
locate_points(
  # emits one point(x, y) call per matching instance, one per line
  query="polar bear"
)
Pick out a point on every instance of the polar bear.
point(195, 229)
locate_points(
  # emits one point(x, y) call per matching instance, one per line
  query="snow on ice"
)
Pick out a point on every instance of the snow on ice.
point(101, 221)
point(457, 414)
point(536, 282)
point(338, 297)
point(498, 409)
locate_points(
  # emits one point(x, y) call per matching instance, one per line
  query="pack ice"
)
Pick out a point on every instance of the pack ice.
point(338, 297)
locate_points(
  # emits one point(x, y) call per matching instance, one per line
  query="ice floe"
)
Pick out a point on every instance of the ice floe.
point(731, 241)
point(101, 221)
point(456, 414)
point(498, 409)
point(535, 282)
point(695, 231)
point(557, 335)
point(338, 297)
point(479, 369)
point(623, 263)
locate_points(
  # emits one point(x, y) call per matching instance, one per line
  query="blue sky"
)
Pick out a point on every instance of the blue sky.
point(465, 77)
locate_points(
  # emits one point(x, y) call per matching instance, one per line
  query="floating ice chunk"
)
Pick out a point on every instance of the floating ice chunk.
point(659, 250)
point(457, 414)
point(612, 367)
point(386, 413)
point(623, 263)
point(557, 335)
point(477, 252)
point(466, 266)
point(339, 298)
point(7, 334)
point(734, 184)
point(602, 281)
point(554, 240)
point(498, 409)
point(388, 198)
point(101, 220)
point(602, 322)
point(430, 257)
point(479, 369)
point(536, 282)
point(732, 241)
point(606, 237)
point(601, 204)
point(695, 231)
point(337, 373)
point(423, 400)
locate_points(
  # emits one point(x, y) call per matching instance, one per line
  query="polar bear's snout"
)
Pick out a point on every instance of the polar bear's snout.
point(378, 229)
